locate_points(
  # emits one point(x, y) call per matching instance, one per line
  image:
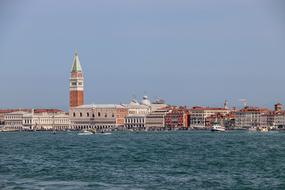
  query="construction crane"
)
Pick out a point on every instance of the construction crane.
point(244, 101)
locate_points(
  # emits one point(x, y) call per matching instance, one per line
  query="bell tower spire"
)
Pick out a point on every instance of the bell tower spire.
point(76, 86)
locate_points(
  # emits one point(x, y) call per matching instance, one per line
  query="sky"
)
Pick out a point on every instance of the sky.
point(188, 52)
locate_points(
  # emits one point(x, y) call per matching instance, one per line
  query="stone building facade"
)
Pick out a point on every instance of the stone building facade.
point(199, 115)
point(177, 118)
point(249, 117)
point(138, 111)
point(156, 119)
point(97, 116)
point(36, 120)
point(274, 119)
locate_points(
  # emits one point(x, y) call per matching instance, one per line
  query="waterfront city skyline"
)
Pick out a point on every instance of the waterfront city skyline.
point(189, 53)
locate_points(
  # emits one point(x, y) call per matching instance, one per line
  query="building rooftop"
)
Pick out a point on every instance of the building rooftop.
point(47, 110)
point(101, 106)
point(198, 108)
point(5, 111)
point(17, 112)
point(274, 113)
point(253, 109)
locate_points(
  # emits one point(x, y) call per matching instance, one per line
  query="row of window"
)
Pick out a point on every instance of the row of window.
point(134, 125)
point(135, 120)
point(27, 121)
point(47, 121)
point(14, 123)
point(12, 117)
point(75, 83)
point(92, 126)
point(93, 115)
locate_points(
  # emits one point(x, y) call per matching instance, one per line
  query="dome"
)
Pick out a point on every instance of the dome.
point(145, 101)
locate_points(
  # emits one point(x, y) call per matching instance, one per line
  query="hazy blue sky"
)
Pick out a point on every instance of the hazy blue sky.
point(189, 52)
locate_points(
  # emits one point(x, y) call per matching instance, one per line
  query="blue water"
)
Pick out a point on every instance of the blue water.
point(154, 160)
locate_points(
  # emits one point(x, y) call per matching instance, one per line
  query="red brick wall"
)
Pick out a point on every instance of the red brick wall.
point(120, 115)
point(76, 98)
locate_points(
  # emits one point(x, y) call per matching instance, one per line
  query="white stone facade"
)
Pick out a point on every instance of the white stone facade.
point(156, 119)
point(14, 120)
point(135, 122)
point(36, 121)
point(97, 116)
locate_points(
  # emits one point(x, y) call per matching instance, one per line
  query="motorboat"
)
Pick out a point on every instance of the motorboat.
point(85, 133)
point(218, 127)
point(92, 131)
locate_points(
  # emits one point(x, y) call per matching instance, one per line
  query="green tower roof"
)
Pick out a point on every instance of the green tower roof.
point(76, 67)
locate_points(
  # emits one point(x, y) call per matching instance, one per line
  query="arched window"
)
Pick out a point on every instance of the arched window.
point(87, 114)
point(93, 115)
point(99, 114)
point(73, 114)
point(106, 115)
point(80, 114)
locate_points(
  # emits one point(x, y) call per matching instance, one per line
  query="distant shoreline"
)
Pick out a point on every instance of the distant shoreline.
point(138, 131)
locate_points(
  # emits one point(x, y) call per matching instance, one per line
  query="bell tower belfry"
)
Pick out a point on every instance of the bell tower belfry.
point(76, 85)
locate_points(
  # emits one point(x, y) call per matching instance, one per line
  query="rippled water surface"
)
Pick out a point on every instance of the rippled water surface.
point(156, 160)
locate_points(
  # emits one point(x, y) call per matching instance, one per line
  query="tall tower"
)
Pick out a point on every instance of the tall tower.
point(226, 104)
point(76, 86)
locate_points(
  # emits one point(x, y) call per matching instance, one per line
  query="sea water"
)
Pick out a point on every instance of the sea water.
point(144, 160)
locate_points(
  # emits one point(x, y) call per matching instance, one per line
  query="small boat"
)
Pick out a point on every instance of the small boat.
point(92, 131)
point(218, 127)
point(263, 129)
point(85, 133)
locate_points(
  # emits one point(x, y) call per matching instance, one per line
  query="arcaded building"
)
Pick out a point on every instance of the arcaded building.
point(38, 119)
point(97, 116)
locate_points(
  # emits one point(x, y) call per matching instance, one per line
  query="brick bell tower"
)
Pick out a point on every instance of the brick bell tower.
point(76, 86)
